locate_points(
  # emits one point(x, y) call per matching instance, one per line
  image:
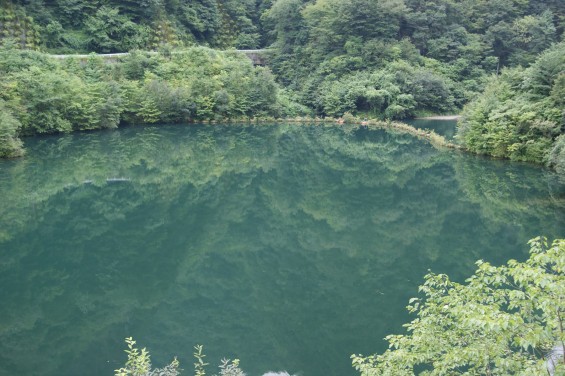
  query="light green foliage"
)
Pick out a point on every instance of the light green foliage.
point(230, 368)
point(51, 96)
point(520, 115)
point(227, 367)
point(556, 158)
point(139, 363)
point(53, 99)
point(10, 145)
point(199, 365)
point(46, 96)
point(504, 321)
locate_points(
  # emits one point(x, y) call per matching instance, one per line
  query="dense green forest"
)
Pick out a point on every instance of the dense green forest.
point(40, 94)
point(399, 58)
point(387, 59)
point(67, 26)
point(521, 114)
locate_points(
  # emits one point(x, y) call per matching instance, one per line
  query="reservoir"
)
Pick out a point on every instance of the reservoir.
point(289, 247)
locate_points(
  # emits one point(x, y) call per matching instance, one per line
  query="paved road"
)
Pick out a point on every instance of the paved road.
point(87, 56)
point(120, 54)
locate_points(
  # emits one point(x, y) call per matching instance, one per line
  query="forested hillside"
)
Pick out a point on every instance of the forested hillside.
point(69, 26)
point(387, 59)
point(383, 58)
point(398, 58)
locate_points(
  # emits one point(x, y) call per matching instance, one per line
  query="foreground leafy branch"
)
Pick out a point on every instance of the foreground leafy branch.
point(504, 320)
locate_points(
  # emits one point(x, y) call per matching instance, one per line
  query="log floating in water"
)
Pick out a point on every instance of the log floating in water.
point(117, 180)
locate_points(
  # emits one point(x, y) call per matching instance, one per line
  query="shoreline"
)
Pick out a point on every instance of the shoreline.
point(439, 117)
point(398, 125)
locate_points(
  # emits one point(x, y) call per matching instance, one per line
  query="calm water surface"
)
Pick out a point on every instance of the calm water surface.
point(445, 128)
point(289, 247)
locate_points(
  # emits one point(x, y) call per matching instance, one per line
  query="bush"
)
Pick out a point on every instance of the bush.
point(556, 158)
point(10, 145)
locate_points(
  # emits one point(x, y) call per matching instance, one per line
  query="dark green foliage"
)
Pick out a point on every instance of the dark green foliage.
point(201, 18)
point(119, 25)
point(111, 31)
point(286, 24)
point(332, 23)
point(397, 91)
point(530, 36)
point(324, 46)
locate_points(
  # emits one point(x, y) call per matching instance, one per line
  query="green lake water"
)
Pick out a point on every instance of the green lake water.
point(289, 247)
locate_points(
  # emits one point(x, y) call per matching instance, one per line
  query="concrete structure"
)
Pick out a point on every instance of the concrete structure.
point(258, 57)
